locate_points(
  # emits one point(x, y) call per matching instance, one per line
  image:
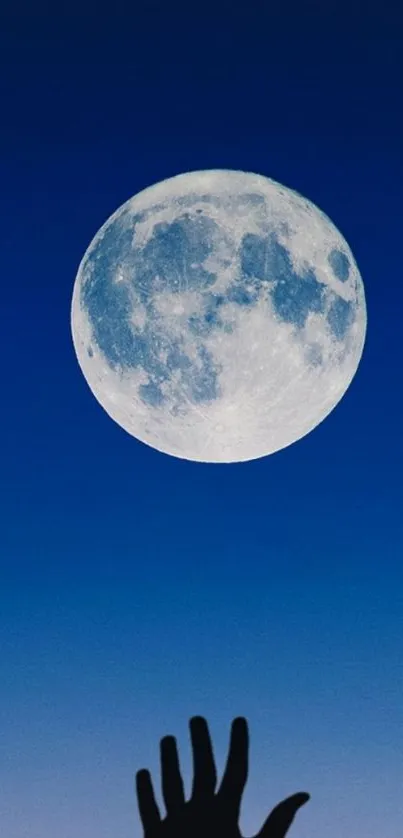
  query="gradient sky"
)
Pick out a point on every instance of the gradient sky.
point(138, 589)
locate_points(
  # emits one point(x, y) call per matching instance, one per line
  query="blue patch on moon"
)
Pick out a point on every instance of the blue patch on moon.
point(253, 256)
point(340, 317)
point(295, 295)
point(314, 354)
point(237, 293)
point(175, 252)
point(339, 264)
point(151, 394)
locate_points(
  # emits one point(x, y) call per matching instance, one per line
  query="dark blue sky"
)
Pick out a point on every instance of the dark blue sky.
point(138, 589)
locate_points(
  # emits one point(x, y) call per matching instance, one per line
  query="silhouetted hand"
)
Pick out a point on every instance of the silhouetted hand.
point(208, 813)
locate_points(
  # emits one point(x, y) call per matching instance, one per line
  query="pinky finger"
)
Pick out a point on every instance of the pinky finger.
point(148, 809)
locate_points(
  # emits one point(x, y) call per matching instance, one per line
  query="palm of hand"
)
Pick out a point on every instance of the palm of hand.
point(197, 821)
point(208, 813)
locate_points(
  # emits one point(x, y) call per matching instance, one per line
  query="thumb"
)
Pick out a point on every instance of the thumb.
point(282, 816)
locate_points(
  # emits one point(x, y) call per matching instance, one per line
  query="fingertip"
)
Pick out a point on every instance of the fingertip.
point(168, 741)
point(143, 781)
point(197, 721)
point(240, 732)
point(240, 726)
point(302, 797)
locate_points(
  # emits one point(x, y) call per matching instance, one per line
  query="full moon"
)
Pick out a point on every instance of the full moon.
point(218, 316)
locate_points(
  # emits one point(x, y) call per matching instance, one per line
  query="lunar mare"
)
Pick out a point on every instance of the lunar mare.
point(218, 316)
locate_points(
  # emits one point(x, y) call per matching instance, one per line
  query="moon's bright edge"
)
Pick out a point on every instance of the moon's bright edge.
point(218, 316)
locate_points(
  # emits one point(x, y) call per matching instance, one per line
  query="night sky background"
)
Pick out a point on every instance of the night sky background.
point(136, 589)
